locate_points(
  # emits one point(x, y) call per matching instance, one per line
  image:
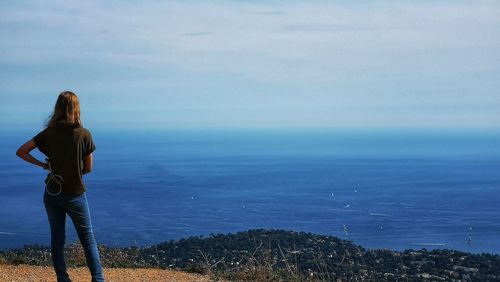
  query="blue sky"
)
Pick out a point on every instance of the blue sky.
point(164, 64)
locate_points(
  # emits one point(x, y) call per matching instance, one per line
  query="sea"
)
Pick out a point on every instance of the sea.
point(380, 188)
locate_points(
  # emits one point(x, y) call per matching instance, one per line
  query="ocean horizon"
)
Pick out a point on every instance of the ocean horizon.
point(380, 188)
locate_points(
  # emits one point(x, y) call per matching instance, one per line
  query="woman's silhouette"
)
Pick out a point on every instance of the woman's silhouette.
point(69, 148)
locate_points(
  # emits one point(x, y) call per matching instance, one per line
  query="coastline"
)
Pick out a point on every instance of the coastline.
point(281, 254)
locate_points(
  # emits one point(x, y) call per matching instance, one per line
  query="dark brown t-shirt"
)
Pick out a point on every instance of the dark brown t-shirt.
point(66, 148)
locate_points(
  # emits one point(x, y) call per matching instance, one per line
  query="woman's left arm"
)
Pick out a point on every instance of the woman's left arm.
point(24, 153)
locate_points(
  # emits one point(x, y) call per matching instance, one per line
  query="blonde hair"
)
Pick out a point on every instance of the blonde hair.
point(66, 111)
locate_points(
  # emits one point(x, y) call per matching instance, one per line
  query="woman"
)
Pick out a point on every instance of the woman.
point(69, 148)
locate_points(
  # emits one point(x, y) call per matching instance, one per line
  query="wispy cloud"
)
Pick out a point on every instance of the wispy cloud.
point(326, 27)
point(270, 13)
point(200, 33)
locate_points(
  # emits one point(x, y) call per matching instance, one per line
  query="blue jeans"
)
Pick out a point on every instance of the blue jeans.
point(77, 208)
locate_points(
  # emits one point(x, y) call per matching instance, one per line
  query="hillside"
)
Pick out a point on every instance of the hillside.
point(275, 255)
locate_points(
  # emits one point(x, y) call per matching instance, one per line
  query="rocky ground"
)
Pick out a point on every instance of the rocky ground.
point(28, 273)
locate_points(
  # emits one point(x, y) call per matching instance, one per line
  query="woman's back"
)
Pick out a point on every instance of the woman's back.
point(66, 148)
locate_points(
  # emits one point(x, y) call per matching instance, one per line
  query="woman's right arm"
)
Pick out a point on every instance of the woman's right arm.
point(87, 164)
point(24, 153)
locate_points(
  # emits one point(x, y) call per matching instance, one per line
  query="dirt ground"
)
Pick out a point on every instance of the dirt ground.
point(29, 273)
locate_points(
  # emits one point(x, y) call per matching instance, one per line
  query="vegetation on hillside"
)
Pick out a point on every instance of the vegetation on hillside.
point(279, 255)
